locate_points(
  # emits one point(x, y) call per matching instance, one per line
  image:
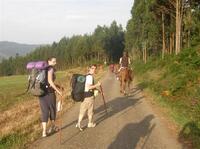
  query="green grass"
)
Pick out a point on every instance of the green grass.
point(13, 86)
point(180, 76)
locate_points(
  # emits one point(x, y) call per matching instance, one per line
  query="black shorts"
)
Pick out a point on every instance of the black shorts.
point(48, 107)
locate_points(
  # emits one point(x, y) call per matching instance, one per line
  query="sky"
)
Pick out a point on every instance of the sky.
point(45, 21)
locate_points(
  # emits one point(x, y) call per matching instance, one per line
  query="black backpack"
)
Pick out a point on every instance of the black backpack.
point(37, 85)
point(78, 87)
point(37, 81)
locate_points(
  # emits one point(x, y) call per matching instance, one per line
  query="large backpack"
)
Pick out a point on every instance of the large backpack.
point(78, 87)
point(37, 85)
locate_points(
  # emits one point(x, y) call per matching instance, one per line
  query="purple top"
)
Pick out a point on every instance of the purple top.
point(51, 70)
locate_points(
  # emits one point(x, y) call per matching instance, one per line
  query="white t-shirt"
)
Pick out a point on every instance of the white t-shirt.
point(88, 82)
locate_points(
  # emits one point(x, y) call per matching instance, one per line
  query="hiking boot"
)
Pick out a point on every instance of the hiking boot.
point(79, 127)
point(91, 125)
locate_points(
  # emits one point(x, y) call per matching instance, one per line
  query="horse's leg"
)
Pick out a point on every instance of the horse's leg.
point(120, 86)
point(130, 79)
point(129, 82)
point(124, 86)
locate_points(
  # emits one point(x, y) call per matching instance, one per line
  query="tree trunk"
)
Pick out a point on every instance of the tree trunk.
point(190, 20)
point(172, 43)
point(163, 35)
point(178, 25)
point(145, 54)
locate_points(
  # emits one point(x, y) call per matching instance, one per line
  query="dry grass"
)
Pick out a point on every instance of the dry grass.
point(24, 117)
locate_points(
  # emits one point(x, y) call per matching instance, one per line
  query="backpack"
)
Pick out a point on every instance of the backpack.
point(78, 87)
point(37, 85)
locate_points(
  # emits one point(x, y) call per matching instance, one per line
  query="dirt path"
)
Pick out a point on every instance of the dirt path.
point(130, 123)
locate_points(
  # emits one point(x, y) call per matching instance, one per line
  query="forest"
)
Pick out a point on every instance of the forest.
point(106, 43)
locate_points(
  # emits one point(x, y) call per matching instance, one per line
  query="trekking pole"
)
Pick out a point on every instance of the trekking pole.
point(60, 121)
point(104, 102)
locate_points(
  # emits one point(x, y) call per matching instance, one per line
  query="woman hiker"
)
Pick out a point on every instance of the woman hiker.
point(48, 101)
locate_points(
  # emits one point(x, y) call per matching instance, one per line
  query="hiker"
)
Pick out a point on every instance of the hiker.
point(124, 61)
point(88, 103)
point(48, 101)
point(112, 67)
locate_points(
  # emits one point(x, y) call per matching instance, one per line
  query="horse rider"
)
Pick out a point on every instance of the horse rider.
point(124, 61)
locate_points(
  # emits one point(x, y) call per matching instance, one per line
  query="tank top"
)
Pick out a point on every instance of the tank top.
point(124, 62)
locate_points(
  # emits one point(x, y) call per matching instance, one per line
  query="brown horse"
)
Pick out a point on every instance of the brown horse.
point(125, 78)
point(116, 68)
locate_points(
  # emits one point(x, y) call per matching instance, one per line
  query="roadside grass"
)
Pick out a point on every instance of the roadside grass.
point(175, 84)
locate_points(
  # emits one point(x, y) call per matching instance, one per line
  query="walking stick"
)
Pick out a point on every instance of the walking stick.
point(60, 121)
point(104, 102)
point(60, 134)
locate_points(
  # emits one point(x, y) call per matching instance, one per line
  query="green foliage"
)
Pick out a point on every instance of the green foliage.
point(143, 27)
point(106, 43)
point(179, 75)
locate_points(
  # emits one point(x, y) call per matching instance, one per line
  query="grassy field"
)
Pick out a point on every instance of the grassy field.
point(20, 115)
point(13, 86)
point(10, 88)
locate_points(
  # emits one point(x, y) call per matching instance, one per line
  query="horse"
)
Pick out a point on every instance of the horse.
point(125, 78)
point(111, 67)
point(116, 68)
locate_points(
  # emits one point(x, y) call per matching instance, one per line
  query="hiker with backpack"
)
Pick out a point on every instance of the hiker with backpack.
point(87, 105)
point(41, 84)
point(48, 100)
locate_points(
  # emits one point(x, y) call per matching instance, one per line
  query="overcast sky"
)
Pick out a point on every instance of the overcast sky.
point(45, 21)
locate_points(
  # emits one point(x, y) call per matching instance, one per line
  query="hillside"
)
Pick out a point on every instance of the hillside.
point(8, 49)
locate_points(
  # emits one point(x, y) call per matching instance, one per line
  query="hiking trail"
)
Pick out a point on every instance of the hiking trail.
point(131, 123)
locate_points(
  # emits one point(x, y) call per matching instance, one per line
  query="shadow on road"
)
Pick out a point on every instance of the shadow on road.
point(119, 104)
point(115, 106)
point(132, 133)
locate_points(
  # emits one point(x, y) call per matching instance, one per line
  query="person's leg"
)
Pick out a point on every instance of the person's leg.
point(91, 112)
point(45, 114)
point(52, 106)
point(44, 129)
point(83, 109)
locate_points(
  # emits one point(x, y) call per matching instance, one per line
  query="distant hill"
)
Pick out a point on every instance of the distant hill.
point(8, 49)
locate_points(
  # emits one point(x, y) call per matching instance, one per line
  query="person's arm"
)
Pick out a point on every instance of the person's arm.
point(89, 83)
point(129, 61)
point(120, 61)
point(50, 80)
point(90, 87)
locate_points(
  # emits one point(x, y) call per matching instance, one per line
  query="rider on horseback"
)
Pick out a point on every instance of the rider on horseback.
point(124, 73)
point(124, 61)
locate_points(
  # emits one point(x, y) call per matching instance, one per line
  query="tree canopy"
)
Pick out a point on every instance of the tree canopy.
point(105, 43)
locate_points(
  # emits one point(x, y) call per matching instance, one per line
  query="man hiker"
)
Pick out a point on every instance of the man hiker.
point(88, 104)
